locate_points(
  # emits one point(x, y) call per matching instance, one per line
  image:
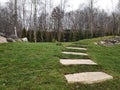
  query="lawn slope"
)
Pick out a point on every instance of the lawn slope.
point(29, 66)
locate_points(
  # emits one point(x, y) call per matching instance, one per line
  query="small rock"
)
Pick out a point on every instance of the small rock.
point(95, 43)
point(25, 39)
point(18, 40)
point(102, 42)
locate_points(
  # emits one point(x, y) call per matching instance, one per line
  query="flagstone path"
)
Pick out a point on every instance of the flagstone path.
point(77, 61)
point(76, 48)
point(75, 53)
point(88, 77)
point(83, 77)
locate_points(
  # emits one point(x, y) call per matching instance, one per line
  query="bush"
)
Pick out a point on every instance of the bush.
point(66, 36)
point(24, 33)
point(54, 40)
point(58, 43)
point(39, 36)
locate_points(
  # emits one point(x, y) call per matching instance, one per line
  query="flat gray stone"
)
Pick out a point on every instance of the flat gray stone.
point(77, 62)
point(76, 48)
point(75, 53)
point(88, 77)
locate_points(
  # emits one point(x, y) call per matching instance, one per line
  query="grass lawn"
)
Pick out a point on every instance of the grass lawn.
point(29, 66)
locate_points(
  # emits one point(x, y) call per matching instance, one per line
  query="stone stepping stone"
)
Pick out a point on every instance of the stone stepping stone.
point(77, 62)
point(75, 53)
point(76, 48)
point(88, 77)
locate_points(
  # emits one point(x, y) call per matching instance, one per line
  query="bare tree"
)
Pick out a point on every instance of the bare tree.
point(91, 16)
point(35, 19)
point(24, 12)
point(118, 18)
point(57, 15)
point(15, 17)
point(41, 14)
point(114, 19)
point(45, 11)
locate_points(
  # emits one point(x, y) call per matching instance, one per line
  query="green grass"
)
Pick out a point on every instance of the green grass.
point(69, 56)
point(78, 45)
point(109, 59)
point(29, 66)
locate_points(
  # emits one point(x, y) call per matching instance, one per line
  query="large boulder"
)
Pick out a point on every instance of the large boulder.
point(3, 39)
point(10, 40)
point(13, 37)
point(2, 34)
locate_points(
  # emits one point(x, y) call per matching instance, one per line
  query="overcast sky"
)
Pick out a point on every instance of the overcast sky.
point(74, 4)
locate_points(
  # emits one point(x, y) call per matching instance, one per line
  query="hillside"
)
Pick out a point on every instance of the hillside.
point(29, 66)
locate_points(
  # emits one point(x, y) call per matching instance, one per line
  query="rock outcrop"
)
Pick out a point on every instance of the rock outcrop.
point(11, 38)
point(110, 42)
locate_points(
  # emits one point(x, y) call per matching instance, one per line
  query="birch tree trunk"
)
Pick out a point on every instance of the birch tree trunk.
point(15, 17)
point(91, 17)
point(24, 12)
point(35, 20)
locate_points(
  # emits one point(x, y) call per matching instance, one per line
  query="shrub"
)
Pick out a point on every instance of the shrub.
point(24, 33)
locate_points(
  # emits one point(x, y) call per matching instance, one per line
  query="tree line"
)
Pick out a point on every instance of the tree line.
point(40, 21)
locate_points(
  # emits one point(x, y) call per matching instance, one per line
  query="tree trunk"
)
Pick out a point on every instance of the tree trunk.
point(15, 18)
point(35, 20)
